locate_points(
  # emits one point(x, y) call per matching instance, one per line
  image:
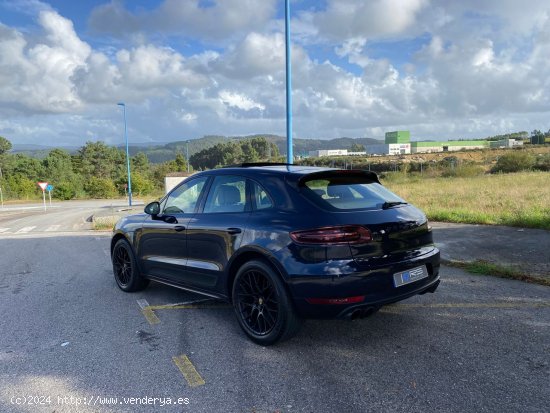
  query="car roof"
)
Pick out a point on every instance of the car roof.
point(293, 173)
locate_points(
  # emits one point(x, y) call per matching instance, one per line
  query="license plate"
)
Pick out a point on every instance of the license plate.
point(410, 276)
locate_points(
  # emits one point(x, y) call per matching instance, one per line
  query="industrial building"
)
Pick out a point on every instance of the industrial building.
point(447, 146)
point(328, 152)
point(399, 143)
point(506, 143)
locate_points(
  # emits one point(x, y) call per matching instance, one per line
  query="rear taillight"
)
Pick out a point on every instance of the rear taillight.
point(347, 234)
point(336, 301)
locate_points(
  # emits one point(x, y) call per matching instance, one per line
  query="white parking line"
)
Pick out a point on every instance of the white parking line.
point(52, 228)
point(143, 303)
point(24, 230)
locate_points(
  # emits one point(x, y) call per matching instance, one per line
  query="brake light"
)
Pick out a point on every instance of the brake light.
point(332, 301)
point(352, 234)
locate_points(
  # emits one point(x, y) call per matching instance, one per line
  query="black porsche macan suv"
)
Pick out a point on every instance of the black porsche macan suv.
point(281, 243)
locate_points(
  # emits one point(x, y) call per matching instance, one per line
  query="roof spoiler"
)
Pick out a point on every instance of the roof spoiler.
point(344, 173)
point(252, 164)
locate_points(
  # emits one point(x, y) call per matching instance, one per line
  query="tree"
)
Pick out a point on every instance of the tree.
point(234, 152)
point(101, 161)
point(357, 147)
point(100, 187)
point(249, 153)
point(5, 145)
point(140, 162)
point(58, 166)
point(141, 185)
point(180, 164)
point(28, 167)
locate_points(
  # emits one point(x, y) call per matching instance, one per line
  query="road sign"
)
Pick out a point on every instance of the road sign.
point(43, 185)
point(49, 188)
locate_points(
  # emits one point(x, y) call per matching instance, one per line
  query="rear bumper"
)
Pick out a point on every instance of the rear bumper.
point(376, 285)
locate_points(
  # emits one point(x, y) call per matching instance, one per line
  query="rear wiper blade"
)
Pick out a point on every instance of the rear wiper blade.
point(387, 205)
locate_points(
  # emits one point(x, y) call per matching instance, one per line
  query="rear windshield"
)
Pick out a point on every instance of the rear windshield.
point(347, 193)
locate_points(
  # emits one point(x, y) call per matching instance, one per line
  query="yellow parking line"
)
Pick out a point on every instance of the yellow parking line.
point(149, 310)
point(187, 306)
point(188, 370)
point(399, 307)
point(150, 316)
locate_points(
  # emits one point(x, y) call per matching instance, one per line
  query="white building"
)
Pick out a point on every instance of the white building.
point(173, 179)
point(328, 152)
point(389, 149)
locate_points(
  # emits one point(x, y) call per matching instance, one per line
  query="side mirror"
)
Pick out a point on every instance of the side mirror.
point(153, 208)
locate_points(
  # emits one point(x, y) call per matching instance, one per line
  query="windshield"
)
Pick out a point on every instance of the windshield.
point(348, 193)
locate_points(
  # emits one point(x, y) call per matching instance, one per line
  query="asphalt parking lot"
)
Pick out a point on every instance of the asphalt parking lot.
point(71, 337)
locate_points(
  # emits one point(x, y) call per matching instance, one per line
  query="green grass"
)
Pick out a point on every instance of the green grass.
point(104, 223)
point(497, 270)
point(519, 199)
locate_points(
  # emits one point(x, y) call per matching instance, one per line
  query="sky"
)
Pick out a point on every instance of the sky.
point(443, 69)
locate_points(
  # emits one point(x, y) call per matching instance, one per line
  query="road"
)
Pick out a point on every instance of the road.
point(69, 336)
point(68, 216)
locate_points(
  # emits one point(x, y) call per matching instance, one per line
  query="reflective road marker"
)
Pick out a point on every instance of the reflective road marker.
point(188, 370)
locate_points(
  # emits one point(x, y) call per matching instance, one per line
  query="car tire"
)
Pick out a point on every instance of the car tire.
point(125, 269)
point(262, 305)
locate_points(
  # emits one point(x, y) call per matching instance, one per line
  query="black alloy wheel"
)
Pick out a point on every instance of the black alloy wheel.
point(262, 305)
point(125, 269)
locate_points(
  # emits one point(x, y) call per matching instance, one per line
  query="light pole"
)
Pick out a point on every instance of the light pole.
point(289, 151)
point(127, 154)
point(187, 154)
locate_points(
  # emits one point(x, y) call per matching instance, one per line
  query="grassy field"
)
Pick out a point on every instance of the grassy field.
point(517, 199)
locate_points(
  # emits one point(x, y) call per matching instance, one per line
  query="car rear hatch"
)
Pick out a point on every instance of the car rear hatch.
point(398, 230)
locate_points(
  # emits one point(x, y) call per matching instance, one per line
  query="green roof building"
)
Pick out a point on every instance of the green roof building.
point(400, 136)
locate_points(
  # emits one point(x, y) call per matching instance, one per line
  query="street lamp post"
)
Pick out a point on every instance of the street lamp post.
point(187, 154)
point(127, 154)
point(289, 150)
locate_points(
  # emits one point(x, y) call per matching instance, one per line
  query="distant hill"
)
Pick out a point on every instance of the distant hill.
point(39, 151)
point(162, 153)
point(157, 153)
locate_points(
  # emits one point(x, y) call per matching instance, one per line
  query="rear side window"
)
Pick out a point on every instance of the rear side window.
point(227, 194)
point(348, 193)
point(262, 200)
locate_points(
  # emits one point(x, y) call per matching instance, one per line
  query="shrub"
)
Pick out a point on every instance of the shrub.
point(141, 185)
point(463, 171)
point(64, 190)
point(100, 188)
point(20, 187)
point(514, 162)
point(543, 162)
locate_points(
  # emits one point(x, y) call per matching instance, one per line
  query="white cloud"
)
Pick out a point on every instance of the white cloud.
point(37, 77)
point(239, 101)
point(217, 21)
point(345, 19)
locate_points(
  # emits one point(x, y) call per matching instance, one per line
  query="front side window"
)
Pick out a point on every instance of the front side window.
point(184, 198)
point(227, 194)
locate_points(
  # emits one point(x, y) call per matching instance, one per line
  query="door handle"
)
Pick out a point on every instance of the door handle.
point(234, 231)
point(179, 228)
